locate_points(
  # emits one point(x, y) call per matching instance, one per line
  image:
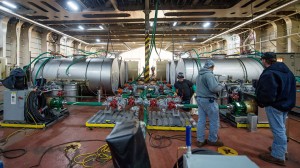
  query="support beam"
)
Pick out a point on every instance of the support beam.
point(147, 42)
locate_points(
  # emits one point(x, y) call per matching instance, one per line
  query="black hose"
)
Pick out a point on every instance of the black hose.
point(36, 108)
point(5, 153)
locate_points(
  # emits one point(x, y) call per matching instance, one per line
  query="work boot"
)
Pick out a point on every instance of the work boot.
point(269, 158)
point(200, 144)
point(286, 154)
point(217, 143)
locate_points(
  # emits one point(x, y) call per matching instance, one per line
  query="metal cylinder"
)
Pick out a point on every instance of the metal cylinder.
point(56, 90)
point(161, 67)
point(133, 67)
point(173, 73)
point(122, 72)
point(95, 72)
point(168, 72)
point(70, 92)
point(232, 68)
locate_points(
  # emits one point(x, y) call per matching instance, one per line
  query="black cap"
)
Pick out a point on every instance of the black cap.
point(268, 55)
point(180, 75)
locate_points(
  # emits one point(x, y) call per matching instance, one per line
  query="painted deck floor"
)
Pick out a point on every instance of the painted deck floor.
point(73, 128)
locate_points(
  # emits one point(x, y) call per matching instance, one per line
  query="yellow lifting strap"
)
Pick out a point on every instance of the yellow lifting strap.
point(224, 150)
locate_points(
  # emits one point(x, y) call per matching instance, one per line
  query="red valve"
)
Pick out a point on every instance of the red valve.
point(171, 105)
point(161, 87)
point(234, 96)
point(153, 103)
point(60, 93)
point(130, 87)
point(113, 103)
point(169, 85)
point(131, 101)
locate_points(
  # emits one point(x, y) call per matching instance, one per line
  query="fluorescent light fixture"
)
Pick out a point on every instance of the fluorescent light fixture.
point(98, 40)
point(250, 21)
point(180, 46)
point(8, 4)
point(206, 24)
point(81, 27)
point(101, 27)
point(73, 5)
point(175, 23)
point(194, 38)
point(39, 24)
point(151, 24)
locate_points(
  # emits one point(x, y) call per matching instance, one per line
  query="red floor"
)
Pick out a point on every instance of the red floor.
point(72, 128)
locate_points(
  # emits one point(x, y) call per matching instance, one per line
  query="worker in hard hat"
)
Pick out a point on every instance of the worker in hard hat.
point(206, 96)
point(184, 89)
point(276, 91)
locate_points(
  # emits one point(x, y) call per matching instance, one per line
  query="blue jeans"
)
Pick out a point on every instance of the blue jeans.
point(210, 109)
point(277, 121)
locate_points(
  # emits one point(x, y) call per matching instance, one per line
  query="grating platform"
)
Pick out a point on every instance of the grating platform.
point(158, 120)
point(107, 119)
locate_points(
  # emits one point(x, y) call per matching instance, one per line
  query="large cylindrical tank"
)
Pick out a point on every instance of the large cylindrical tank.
point(173, 73)
point(234, 68)
point(122, 72)
point(168, 72)
point(161, 67)
point(133, 69)
point(96, 72)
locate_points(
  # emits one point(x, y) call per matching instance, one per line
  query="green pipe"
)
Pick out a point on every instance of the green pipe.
point(27, 66)
point(84, 103)
point(126, 95)
point(145, 115)
point(190, 105)
point(297, 107)
point(223, 106)
point(196, 106)
point(298, 91)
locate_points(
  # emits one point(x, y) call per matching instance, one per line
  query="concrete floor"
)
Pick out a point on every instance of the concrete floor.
point(73, 128)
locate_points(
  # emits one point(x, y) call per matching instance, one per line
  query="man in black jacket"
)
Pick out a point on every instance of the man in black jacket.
point(276, 91)
point(184, 89)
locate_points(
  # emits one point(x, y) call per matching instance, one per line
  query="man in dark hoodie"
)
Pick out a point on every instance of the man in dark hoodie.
point(183, 89)
point(207, 89)
point(276, 91)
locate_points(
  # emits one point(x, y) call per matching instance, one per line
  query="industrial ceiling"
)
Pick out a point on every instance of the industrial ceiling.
point(181, 24)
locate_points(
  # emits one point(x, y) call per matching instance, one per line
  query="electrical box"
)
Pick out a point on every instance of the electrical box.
point(14, 105)
point(208, 161)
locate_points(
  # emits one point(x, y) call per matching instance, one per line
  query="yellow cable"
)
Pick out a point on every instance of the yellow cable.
point(5, 140)
point(102, 153)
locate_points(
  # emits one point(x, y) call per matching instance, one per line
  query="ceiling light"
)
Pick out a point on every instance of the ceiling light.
point(206, 24)
point(194, 38)
point(180, 46)
point(8, 4)
point(98, 40)
point(3, 9)
point(73, 5)
point(81, 28)
point(101, 27)
point(175, 23)
point(151, 24)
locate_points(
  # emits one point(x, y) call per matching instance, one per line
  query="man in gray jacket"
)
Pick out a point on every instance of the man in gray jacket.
point(207, 89)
